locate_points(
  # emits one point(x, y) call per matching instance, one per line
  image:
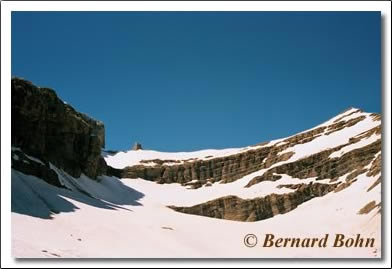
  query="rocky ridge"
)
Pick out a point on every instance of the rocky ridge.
point(235, 208)
point(341, 172)
point(45, 127)
point(338, 167)
point(226, 169)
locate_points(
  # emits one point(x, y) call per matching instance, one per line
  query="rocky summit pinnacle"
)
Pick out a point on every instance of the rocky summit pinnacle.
point(137, 146)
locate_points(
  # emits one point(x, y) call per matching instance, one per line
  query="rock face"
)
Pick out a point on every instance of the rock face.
point(344, 158)
point(43, 126)
point(29, 166)
point(227, 169)
point(368, 207)
point(319, 165)
point(235, 208)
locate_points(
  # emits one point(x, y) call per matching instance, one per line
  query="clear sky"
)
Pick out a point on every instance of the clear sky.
point(181, 81)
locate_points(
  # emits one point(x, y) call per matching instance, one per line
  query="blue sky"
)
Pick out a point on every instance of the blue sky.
point(181, 81)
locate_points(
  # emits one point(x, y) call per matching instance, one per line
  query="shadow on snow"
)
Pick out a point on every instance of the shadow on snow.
point(34, 197)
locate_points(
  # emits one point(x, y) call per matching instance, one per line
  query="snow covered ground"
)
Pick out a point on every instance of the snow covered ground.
point(137, 223)
point(129, 218)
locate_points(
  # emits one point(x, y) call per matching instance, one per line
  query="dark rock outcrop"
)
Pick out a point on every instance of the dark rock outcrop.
point(375, 183)
point(24, 164)
point(225, 169)
point(319, 165)
point(368, 207)
point(375, 167)
point(235, 208)
point(43, 126)
point(137, 146)
point(343, 124)
point(347, 115)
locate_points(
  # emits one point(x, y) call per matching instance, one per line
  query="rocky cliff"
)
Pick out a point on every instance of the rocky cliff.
point(229, 168)
point(321, 166)
point(224, 169)
point(45, 127)
point(235, 208)
point(287, 172)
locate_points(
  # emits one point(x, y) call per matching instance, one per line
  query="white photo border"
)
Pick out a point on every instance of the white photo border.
point(7, 7)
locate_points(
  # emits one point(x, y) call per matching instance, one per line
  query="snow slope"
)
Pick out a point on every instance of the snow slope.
point(147, 228)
